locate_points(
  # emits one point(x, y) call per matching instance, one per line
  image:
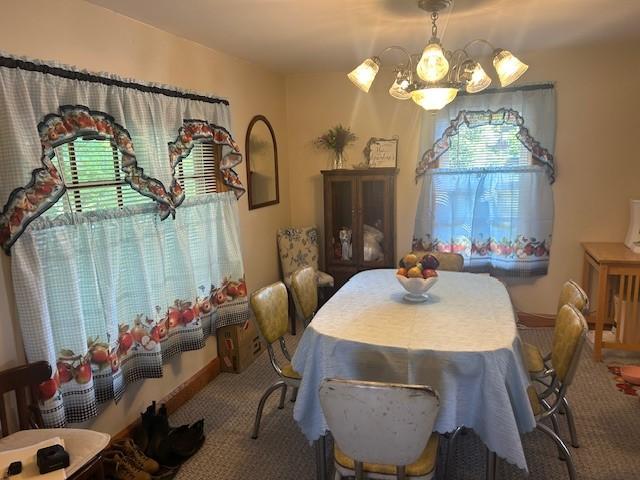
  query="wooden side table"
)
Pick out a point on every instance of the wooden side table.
point(618, 268)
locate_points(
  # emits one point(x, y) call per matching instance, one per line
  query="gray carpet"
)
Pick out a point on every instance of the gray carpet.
point(608, 427)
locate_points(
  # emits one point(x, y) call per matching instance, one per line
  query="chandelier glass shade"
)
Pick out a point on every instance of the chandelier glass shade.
point(433, 65)
point(508, 67)
point(434, 98)
point(365, 73)
point(432, 79)
point(399, 89)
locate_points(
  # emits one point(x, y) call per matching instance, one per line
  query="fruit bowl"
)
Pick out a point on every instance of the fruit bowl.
point(416, 287)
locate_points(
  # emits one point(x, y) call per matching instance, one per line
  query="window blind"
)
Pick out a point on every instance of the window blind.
point(91, 170)
point(464, 196)
point(197, 172)
point(486, 146)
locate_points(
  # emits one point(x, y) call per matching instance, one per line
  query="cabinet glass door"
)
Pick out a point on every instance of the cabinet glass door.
point(342, 198)
point(375, 220)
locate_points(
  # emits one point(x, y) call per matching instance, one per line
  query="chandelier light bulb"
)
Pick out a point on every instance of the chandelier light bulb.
point(479, 79)
point(433, 65)
point(399, 88)
point(434, 98)
point(364, 74)
point(508, 67)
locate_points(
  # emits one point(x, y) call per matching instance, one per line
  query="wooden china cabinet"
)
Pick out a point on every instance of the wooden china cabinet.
point(359, 221)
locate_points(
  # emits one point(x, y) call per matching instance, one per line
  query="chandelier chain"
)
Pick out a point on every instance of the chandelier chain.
point(434, 26)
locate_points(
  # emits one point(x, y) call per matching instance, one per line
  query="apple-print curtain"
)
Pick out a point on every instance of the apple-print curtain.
point(499, 215)
point(106, 296)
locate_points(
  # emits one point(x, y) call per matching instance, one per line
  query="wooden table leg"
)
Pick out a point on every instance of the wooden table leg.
point(321, 458)
point(586, 275)
point(601, 312)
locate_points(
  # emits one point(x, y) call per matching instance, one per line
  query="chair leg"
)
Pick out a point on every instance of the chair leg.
point(294, 395)
point(337, 476)
point(570, 423)
point(291, 311)
point(449, 454)
point(562, 447)
point(359, 471)
point(283, 396)
point(401, 473)
point(556, 430)
point(263, 400)
point(490, 468)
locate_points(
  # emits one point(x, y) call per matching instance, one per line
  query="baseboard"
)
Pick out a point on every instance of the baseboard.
point(180, 395)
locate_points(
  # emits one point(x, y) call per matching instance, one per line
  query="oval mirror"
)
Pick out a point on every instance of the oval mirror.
point(262, 163)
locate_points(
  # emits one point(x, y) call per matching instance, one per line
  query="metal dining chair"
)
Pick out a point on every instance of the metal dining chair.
point(571, 331)
point(270, 305)
point(381, 430)
point(304, 290)
point(540, 366)
point(298, 247)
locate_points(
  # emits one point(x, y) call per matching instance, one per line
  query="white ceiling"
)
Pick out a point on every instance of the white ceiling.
point(334, 35)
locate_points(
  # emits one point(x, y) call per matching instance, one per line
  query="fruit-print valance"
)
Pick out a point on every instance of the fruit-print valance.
point(472, 119)
point(153, 127)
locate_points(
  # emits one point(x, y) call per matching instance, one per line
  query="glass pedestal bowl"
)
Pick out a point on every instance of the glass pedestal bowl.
point(416, 287)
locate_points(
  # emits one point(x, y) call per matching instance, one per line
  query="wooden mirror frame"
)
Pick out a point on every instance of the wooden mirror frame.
point(253, 121)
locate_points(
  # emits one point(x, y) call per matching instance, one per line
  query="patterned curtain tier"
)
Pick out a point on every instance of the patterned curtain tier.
point(107, 297)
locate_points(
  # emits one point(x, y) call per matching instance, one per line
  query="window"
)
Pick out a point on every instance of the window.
point(485, 198)
point(92, 172)
point(486, 146)
point(197, 172)
point(459, 201)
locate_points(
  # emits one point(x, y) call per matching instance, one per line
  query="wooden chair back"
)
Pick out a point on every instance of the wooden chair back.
point(23, 381)
point(379, 423)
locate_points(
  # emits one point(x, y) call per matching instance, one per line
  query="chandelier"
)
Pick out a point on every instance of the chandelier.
point(432, 79)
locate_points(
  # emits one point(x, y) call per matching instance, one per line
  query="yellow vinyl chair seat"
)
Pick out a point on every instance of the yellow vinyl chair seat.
point(289, 372)
point(425, 465)
point(533, 358)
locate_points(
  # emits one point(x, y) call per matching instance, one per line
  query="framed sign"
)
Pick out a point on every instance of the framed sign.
point(381, 152)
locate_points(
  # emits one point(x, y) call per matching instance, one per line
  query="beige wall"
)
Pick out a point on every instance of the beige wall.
point(596, 150)
point(78, 33)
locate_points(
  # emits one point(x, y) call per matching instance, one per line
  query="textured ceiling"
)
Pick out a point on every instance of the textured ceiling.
point(332, 35)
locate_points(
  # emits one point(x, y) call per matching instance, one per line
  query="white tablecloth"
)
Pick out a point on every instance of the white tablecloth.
point(463, 342)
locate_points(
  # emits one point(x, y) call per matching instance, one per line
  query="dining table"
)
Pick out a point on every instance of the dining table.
point(462, 341)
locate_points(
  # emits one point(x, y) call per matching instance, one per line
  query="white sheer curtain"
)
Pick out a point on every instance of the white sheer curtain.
point(498, 216)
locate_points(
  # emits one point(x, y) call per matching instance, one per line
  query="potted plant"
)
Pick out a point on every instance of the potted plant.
point(336, 139)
